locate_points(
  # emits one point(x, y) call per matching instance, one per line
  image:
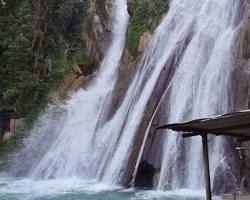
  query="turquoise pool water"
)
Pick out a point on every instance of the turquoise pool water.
point(77, 189)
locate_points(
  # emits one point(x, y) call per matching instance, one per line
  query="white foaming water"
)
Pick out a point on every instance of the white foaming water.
point(75, 188)
point(201, 85)
point(175, 194)
point(50, 187)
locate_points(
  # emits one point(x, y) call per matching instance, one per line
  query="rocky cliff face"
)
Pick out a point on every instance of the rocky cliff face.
point(242, 72)
point(145, 15)
point(96, 36)
point(242, 95)
point(97, 28)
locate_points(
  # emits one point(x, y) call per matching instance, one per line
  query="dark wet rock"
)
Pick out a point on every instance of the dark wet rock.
point(242, 92)
point(225, 182)
point(145, 174)
point(227, 178)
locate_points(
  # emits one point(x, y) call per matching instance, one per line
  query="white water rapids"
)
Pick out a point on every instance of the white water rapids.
point(76, 139)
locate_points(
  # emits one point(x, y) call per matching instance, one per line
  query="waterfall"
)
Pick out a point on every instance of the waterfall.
point(203, 35)
point(69, 131)
point(75, 152)
point(201, 86)
point(193, 48)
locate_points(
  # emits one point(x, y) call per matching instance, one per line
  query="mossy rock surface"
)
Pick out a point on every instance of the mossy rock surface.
point(145, 15)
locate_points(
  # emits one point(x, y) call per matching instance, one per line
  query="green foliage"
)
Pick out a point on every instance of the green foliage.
point(37, 41)
point(162, 6)
point(85, 62)
point(145, 16)
point(139, 18)
point(40, 42)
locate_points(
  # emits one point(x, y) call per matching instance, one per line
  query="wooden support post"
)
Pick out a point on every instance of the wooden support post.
point(1, 125)
point(206, 167)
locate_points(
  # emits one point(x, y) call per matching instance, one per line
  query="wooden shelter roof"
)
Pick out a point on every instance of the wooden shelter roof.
point(235, 124)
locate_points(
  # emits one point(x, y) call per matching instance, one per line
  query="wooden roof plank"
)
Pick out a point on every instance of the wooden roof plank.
point(231, 124)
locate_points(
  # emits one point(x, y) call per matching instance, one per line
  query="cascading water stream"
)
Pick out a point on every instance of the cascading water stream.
point(201, 85)
point(85, 144)
point(85, 149)
point(71, 152)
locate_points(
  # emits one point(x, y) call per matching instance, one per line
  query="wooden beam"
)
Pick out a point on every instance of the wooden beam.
point(206, 167)
point(187, 135)
point(243, 137)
